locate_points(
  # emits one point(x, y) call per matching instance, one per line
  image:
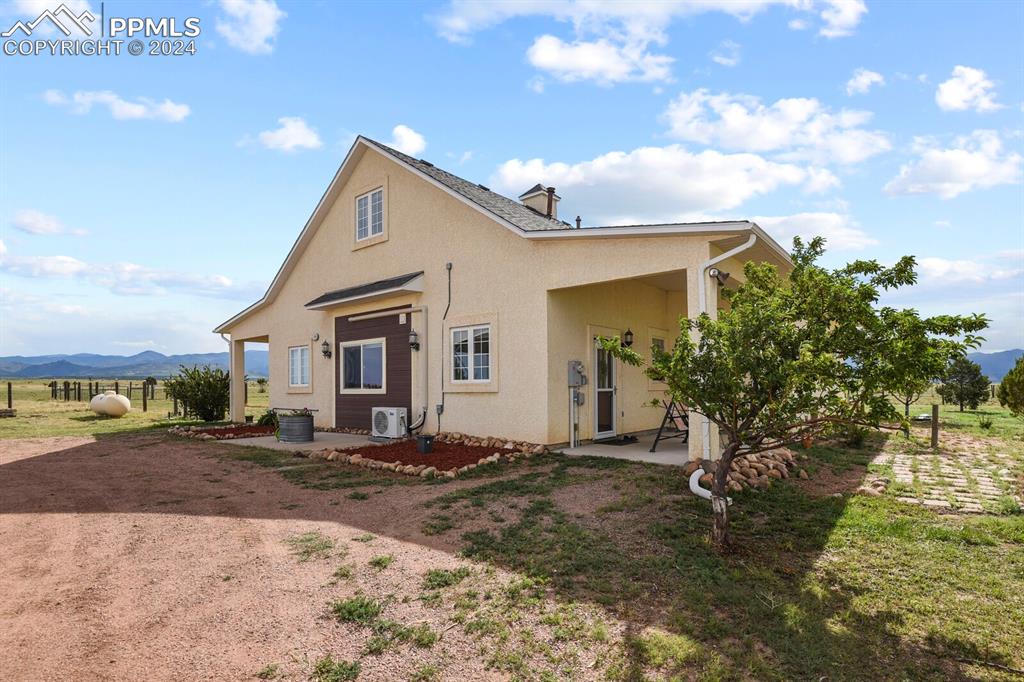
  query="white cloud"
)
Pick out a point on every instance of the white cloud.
point(862, 80)
point(947, 271)
point(36, 222)
point(602, 61)
point(655, 184)
point(942, 223)
point(800, 128)
point(840, 230)
point(727, 54)
point(798, 25)
point(293, 134)
point(612, 41)
point(967, 89)
point(841, 17)
point(126, 278)
point(407, 140)
point(82, 102)
point(250, 25)
point(975, 161)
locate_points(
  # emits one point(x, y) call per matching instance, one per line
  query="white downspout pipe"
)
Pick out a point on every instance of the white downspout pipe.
point(703, 300)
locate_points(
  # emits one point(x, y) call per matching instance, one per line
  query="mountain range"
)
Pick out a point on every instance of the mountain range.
point(145, 364)
point(996, 365)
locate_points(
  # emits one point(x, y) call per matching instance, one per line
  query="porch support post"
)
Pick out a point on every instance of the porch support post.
point(237, 411)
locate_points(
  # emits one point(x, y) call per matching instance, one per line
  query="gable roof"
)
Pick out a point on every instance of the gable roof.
point(363, 291)
point(521, 219)
point(519, 215)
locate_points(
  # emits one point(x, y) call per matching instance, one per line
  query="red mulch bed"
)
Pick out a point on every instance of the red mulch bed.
point(250, 430)
point(444, 456)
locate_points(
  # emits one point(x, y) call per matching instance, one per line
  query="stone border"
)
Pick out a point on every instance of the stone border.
point(752, 471)
point(421, 470)
point(203, 432)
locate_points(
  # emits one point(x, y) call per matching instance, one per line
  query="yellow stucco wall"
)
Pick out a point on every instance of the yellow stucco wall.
point(496, 273)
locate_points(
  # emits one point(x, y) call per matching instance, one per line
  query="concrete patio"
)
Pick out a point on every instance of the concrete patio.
point(321, 440)
point(669, 451)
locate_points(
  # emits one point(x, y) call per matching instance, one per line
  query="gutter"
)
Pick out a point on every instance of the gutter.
point(703, 299)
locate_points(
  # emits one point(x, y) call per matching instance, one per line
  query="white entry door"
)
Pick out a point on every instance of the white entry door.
point(604, 394)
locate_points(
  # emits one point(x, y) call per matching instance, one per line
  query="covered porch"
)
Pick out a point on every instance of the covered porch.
point(236, 347)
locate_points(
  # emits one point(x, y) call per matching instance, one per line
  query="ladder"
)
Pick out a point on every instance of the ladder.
point(676, 421)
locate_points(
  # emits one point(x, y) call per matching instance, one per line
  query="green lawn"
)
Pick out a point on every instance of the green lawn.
point(40, 416)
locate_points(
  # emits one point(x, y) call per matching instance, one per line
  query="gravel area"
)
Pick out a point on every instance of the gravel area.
point(146, 558)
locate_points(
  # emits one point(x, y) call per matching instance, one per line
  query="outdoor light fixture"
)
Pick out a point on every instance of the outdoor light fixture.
point(414, 340)
point(719, 275)
point(627, 338)
point(325, 348)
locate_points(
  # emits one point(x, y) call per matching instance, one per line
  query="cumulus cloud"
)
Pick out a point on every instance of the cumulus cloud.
point(975, 161)
point(407, 140)
point(250, 25)
point(967, 88)
point(126, 278)
point(657, 184)
point(82, 102)
point(36, 222)
point(727, 53)
point(797, 128)
point(841, 231)
point(862, 80)
point(615, 42)
point(293, 133)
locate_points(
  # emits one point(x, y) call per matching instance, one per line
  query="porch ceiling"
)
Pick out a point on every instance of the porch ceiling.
point(671, 280)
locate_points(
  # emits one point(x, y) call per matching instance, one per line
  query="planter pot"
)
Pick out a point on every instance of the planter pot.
point(248, 419)
point(424, 444)
point(295, 428)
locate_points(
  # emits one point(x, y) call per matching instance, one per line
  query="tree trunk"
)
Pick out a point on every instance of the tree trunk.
point(721, 539)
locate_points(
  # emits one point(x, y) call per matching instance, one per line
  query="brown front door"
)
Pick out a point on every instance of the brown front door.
point(370, 353)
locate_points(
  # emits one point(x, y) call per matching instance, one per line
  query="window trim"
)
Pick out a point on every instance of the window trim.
point(652, 334)
point(383, 366)
point(370, 234)
point(309, 366)
point(471, 364)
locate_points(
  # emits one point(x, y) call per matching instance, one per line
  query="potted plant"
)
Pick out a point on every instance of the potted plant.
point(295, 425)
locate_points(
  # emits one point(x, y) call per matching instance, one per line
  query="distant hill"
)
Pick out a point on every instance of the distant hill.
point(996, 365)
point(144, 364)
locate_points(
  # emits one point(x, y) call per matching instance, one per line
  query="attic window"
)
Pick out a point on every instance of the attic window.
point(370, 214)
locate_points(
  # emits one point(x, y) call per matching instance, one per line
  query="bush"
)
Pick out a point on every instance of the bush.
point(985, 422)
point(268, 418)
point(204, 392)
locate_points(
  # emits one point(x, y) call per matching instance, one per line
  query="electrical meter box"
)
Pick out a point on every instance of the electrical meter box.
point(576, 376)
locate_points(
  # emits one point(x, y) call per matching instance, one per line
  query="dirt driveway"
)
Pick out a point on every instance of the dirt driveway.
point(142, 557)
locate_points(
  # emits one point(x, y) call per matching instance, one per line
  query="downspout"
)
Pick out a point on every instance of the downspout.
point(703, 299)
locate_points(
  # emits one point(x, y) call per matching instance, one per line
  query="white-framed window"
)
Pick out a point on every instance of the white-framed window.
point(364, 366)
point(471, 353)
point(298, 366)
point(370, 214)
point(658, 343)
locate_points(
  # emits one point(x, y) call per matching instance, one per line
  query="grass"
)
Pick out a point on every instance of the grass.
point(327, 669)
point(268, 672)
point(438, 578)
point(360, 609)
point(425, 673)
point(311, 545)
point(382, 561)
point(39, 416)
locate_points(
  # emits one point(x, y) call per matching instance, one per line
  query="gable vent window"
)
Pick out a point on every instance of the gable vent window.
point(370, 214)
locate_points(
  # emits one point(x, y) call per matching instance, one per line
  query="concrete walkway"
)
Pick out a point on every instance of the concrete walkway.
point(321, 440)
point(669, 451)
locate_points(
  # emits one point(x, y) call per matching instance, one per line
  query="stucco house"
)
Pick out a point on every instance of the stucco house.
point(411, 287)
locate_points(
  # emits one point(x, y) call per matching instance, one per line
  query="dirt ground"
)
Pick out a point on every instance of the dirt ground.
point(138, 557)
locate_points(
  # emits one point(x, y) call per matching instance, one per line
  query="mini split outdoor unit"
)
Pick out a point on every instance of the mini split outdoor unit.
point(389, 422)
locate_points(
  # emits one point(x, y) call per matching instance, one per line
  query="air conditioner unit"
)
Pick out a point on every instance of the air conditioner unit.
point(389, 422)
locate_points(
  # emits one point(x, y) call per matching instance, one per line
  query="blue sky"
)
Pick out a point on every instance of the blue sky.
point(144, 199)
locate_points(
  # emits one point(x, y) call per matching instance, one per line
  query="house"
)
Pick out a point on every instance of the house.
point(411, 287)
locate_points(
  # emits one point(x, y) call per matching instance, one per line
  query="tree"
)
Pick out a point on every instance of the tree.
point(261, 382)
point(964, 384)
point(1011, 390)
point(794, 357)
point(909, 394)
point(203, 391)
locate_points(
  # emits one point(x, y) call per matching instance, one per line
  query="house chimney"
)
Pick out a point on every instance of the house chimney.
point(541, 199)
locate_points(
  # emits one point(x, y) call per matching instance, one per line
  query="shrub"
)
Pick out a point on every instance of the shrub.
point(985, 422)
point(204, 392)
point(329, 670)
point(356, 610)
point(268, 418)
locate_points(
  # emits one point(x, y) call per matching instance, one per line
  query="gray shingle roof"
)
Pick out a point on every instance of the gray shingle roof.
point(340, 295)
point(523, 217)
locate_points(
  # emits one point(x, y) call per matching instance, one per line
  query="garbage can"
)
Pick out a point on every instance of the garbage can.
point(424, 444)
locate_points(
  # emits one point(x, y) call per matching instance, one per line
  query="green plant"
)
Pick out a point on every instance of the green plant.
point(790, 358)
point(311, 545)
point(963, 384)
point(268, 418)
point(985, 422)
point(261, 383)
point(358, 495)
point(365, 537)
point(343, 572)
point(382, 561)
point(438, 578)
point(1011, 389)
point(204, 392)
point(268, 672)
point(329, 670)
point(359, 609)
point(425, 673)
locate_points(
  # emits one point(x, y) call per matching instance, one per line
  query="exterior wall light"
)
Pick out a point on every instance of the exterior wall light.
point(325, 348)
point(627, 338)
point(414, 339)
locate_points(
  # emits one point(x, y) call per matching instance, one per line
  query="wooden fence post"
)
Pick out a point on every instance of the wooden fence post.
point(935, 425)
point(10, 396)
point(246, 393)
point(144, 396)
point(117, 387)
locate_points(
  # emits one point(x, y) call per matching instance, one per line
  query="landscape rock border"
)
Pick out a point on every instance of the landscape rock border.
point(758, 470)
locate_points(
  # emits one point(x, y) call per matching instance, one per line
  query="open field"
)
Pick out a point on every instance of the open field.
point(148, 556)
point(40, 416)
